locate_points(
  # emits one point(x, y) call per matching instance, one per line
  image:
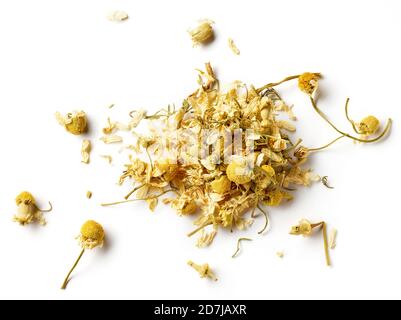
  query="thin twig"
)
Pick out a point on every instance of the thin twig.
point(238, 245)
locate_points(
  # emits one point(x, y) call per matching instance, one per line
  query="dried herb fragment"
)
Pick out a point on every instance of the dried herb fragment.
point(85, 151)
point(111, 139)
point(203, 33)
point(89, 194)
point(305, 228)
point(203, 270)
point(28, 212)
point(333, 239)
point(91, 236)
point(108, 158)
point(118, 16)
point(325, 181)
point(74, 122)
point(233, 47)
point(280, 254)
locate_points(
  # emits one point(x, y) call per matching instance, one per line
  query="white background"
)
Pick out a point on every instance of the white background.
point(65, 55)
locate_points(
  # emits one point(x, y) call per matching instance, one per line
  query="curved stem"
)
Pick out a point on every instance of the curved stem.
point(47, 210)
point(72, 269)
point(132, 191)
point(273, 84)
point(326, 145)
point(386, 129)
point(267, 220)
point(349, 119)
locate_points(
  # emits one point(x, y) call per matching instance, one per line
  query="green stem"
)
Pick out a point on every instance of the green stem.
point(325, 146)
point(274, 84)
point(67, 278)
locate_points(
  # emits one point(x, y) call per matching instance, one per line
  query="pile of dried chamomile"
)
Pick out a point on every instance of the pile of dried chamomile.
point(225, 156)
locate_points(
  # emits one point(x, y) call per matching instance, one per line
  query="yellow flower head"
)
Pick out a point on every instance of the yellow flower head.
point(269, 170)
point(221, 185)
point(74, 122)
point(308, 82)
point(239, 172)
point(303, 228)
point(25, 197)
point(92, 235)
point(369, 125)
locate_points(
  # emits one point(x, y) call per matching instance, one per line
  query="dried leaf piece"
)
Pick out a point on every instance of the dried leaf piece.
point(89, 194)
point(118, 16)
point(111, 139)
point(333, 239)
point(233, 47)
point(85, 151)
point(91, 236)
point(203, 33)
point(203, 270)
point(74, 122)
point(28, 212)
point(280, 254)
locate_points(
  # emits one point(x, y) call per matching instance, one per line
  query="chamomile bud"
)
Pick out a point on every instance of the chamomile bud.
point(369, 125)
point(92, 235)
point(308, 82)
point(74, 122)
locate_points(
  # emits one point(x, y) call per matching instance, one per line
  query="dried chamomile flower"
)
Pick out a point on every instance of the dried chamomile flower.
point(308, 82)
point(369, 125)
point(118, 16)
point(233, 47)
point(75, 122)
point(85, 151)
point(305, 228)
point(91, 236)
point(28, 212)
point(203, 33)
point(203, 270)
point(221, 185)
point(239, 172)
point(223, 181)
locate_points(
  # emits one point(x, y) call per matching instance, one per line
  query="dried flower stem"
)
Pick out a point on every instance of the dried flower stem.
point(132, 191)
point(67, 278)
point(274, 84)
point(326, 182)
point(349, 119)
point(199, 229)
point(267, 220)
point(132, 200)
point(326, 244)
point(46, 210)
point(326, 145)
point(386, 129)
point(239, 245)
